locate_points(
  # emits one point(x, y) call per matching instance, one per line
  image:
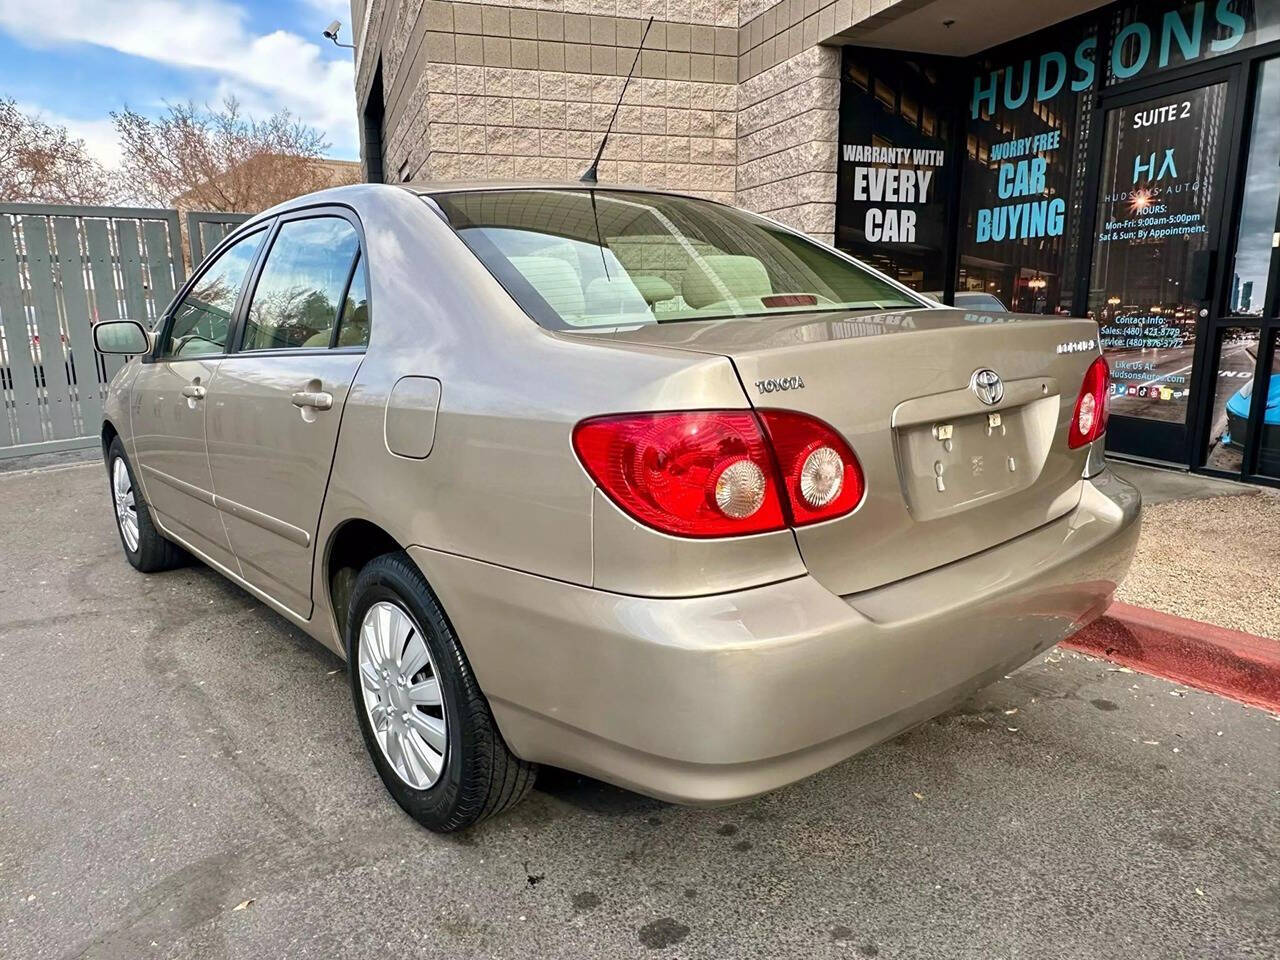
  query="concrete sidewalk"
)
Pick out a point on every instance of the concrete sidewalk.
point(1210, 550)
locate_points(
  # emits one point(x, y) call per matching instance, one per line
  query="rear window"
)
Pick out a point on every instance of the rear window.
point(602, 259)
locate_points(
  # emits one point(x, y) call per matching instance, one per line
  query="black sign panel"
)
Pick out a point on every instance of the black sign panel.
point(895, 151)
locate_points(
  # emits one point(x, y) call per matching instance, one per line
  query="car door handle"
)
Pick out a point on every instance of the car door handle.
point(316, 399)
point(193, 391)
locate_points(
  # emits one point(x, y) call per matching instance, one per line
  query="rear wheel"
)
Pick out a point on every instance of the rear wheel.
point(425, 722)
point(143, 544)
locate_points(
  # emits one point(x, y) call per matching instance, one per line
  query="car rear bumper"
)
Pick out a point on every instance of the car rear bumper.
point(718, 698)
point(1237, 429)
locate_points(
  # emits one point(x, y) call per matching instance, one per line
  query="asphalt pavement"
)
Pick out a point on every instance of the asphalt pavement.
point(181, 776)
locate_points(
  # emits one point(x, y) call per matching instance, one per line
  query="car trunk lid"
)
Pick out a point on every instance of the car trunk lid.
point(948, 475)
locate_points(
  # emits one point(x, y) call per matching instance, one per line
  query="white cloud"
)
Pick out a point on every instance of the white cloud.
point(280, 69)
point(333, 10)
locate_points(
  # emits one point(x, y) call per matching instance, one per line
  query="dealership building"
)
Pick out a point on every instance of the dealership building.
point(1119, 161)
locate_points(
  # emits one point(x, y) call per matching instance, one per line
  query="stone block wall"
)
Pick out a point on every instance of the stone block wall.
point(736, 100)
point(788, 128)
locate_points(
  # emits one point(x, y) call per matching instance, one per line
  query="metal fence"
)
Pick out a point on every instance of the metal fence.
point(206, 230)
point(62, 269)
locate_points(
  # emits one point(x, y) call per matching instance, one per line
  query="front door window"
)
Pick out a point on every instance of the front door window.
point(202, 320)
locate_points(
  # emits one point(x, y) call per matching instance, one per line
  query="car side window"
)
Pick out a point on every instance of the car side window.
point(295, 305)
point(353, 329)
point(202, 320)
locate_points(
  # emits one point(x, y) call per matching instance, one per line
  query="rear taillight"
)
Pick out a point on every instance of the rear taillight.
point(713, 473)
point(1089, 420)
point(823, 477)
point(704, 473)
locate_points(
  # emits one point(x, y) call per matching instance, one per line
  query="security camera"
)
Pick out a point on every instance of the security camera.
point(331, 33)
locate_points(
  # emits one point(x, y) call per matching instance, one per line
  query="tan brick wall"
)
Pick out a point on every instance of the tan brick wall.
point(511, 91)
point(733, 99)
point(788, 128)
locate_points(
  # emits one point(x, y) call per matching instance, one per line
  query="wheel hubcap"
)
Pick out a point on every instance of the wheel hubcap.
point(126, 506)
point(402, 696)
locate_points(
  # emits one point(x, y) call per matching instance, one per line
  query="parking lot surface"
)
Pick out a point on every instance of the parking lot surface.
point(182, 776)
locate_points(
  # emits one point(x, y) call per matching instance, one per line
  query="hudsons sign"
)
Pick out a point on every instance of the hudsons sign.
point(1178, 36)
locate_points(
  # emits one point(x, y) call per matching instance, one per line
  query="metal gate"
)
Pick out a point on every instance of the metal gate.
point(206, 230)
point(63, 269)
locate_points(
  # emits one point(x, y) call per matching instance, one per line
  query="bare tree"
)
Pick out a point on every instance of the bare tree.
point(42, 163)
point(203, 158)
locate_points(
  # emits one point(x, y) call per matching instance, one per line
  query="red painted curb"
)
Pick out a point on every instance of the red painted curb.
point(1227, 662)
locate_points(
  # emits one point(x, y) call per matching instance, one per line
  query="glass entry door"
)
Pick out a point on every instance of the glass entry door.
point(1242, 435)
point(1265, 413)
point(1234, 368)
point(1152, 284)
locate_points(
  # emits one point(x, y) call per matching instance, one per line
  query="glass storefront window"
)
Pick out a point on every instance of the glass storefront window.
point(1030, 105)
point(1155, 35)
point(1157, 200)
point(895, 150)
point(1269, 447)
point(1260, 213)
point(1077, 197)
point(1237, 356)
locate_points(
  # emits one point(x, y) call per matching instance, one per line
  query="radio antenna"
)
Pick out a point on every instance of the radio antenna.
point(589, 175)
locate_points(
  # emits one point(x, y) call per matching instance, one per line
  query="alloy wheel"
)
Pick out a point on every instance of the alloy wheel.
point(126, 505)
point(402, 695)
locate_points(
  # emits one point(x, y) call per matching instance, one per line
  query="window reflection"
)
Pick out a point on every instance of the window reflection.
point(581, 259)
point(1269, 448)
point(1259, 216)
point(1228, 429)
point(295, 304)
point(202, 319)
point(354, 328)
point(1157, 201)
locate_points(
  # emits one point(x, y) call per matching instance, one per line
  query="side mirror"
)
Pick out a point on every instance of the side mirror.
point(121, 336)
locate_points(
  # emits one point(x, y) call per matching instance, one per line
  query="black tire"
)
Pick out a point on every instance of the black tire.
point(153, 552)
point(480, 776)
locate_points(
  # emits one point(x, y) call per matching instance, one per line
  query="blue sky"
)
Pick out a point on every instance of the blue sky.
point(74, 60)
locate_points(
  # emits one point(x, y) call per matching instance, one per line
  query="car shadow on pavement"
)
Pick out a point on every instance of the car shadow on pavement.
point(597, 797)
point(594, 796)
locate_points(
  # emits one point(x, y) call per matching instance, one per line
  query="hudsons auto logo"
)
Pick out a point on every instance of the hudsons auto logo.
point(775, 384)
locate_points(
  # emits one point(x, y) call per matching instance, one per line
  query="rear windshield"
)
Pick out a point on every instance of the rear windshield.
point(602, 259)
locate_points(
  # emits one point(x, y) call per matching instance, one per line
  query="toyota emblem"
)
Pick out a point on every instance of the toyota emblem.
point(987, 386)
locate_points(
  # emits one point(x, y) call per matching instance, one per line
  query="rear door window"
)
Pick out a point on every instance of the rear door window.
point(300, 291)
point(353, 329)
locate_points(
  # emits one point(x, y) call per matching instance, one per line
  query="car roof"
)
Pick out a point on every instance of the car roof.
point(350, 192)
point(470, 186)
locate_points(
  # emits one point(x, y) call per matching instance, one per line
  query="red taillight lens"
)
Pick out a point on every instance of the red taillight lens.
point(1089, 419)
point(822, 476)
point(702, 473)
point(714, 473)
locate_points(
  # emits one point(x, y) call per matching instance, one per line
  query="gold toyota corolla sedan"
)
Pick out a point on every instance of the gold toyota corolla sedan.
point(626, 482)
